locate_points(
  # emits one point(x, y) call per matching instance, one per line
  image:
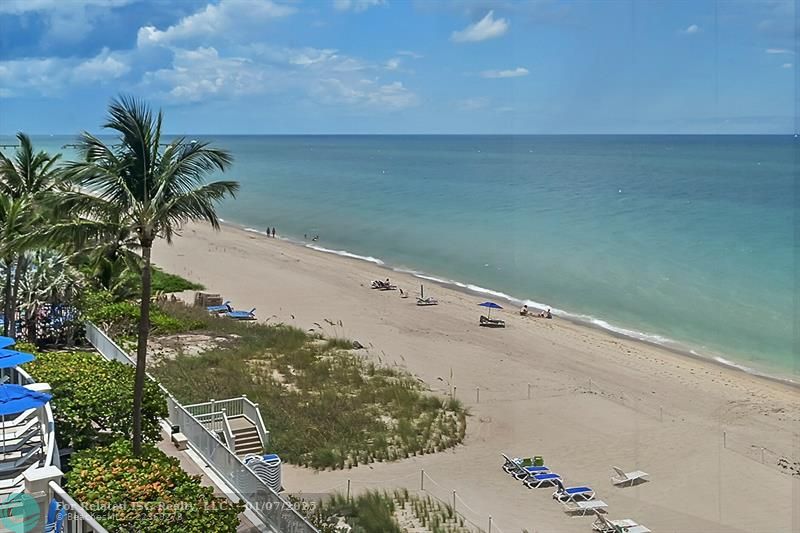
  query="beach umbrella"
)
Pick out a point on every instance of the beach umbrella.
point(16, 399)
point(490, 306)
point(12, 358)
point(5, 342)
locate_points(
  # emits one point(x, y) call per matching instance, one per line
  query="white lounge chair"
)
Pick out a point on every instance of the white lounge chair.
point(584, 507)
point(626, 525)
point(630, 478)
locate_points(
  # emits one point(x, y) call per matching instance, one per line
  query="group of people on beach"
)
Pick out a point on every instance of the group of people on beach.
point(544, 314)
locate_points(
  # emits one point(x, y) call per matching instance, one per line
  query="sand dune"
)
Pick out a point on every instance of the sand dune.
point(595, 400)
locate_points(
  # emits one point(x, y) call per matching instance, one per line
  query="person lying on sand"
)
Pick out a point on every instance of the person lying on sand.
point(545, 314)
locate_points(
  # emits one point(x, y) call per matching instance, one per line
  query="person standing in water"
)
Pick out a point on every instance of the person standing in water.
point(273, 232)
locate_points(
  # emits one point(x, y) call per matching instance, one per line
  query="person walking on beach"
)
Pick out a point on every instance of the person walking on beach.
point(273, 232)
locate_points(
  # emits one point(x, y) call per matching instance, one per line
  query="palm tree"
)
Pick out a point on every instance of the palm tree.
point(148, 189)
point(28, 176)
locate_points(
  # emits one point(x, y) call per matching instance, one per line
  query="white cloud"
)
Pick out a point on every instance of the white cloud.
point(48, 76)
point(410, 54)
point(103, 67)
point(18, 7)
point(486, 28)
point(229, 17)
point(779, 51)
point(388, 97)
point(511, 73)
point(472, 104)
point(393, 64)
point(356, 5)
point(786, 65)
point(201, 73)
point(691, 29)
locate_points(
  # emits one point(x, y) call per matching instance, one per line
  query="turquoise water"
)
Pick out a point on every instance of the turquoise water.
point(677, 239)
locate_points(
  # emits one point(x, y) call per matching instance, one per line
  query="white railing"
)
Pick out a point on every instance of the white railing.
point(106, 346)
point(230, 436)
point(77, 519)
point(275, 511)
point(252, 412)
point(233, 407)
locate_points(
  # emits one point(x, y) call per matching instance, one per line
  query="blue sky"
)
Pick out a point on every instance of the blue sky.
point(403, 66)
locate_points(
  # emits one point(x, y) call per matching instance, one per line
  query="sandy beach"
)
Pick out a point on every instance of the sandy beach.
point(710, 437)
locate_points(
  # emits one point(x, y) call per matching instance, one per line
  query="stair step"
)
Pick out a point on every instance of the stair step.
point(244, 430)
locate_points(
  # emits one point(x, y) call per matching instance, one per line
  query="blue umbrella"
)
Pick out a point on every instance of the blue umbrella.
point(490, 305)
point(16, 399)
point(5, 342)
point(11, 358)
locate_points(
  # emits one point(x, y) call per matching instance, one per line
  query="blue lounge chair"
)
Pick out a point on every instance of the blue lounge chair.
point(55, 517)
point(572, 494)
point(541, 480)
point(534, 470)
point(224, 308)
point(242, 315)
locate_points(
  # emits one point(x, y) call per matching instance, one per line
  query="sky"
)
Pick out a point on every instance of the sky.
point(403, 66)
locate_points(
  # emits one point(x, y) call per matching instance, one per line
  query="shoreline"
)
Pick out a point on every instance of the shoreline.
point(581, 398)
point(580, 320)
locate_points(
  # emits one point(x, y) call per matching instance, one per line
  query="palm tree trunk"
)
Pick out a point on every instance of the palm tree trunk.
point(21, 265)
point(7, 318)
point(141, 350)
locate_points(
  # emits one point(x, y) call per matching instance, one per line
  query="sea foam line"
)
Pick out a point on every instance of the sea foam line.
point(578, 317)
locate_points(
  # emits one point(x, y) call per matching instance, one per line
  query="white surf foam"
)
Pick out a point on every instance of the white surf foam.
point(345, 253)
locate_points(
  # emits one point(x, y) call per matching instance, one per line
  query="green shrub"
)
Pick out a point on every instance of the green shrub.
point(146, 494)
point(121, 318)
point(164, 282)
point(93, 398)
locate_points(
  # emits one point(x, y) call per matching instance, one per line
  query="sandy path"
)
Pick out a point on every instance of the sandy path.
point(596, 400)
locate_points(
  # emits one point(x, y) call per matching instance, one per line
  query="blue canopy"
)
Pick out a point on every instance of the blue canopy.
point(16, 398)
point(5, 342)
point(12, 358)
point(490, 305)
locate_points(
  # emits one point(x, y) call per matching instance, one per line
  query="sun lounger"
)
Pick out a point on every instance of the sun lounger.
point(585, 506)
point(567, 494)
point(542, 480)
point(216, 309)
point(622, 478)
point(427, 301)
point(517, 466)
point(604, 525)
point(492, 322)
point(242, 315)
point(530, 471)
point(510, 465)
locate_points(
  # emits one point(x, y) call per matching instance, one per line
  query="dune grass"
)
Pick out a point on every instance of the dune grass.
point(387, 512)
point(325, 405)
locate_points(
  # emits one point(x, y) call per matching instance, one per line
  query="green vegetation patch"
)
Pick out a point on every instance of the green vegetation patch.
point(387, 512)
point(164, 282)
point(93, 398)
point(146, 494)
point(325, 406)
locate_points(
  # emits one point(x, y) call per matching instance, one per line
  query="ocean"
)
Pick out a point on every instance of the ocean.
point(686, 241)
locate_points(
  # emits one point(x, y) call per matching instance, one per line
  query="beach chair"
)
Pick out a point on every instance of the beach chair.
point(492, 322)
point(623, 478)
point(584, 506)
point(568, 494)
point(509, 465)
point(427, 301)
point(242, 315)
point(216, 309)
point(542, 480)
point(604, 525)
point(533, 470)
